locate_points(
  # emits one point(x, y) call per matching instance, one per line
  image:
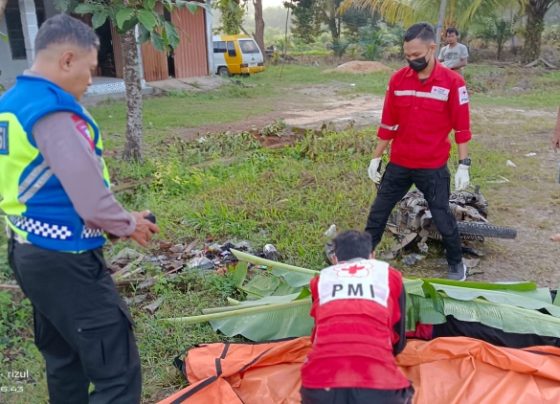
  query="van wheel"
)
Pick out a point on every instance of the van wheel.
point(223, 72)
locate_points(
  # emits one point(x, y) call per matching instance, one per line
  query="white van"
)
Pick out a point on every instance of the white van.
point(236, 54)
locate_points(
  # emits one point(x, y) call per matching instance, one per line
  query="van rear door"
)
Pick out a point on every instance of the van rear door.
point(252, 55)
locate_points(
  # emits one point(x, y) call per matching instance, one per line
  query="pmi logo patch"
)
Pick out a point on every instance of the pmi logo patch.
point(4, 145)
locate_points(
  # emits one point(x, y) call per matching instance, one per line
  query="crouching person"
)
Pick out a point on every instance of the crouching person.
point(358, 307)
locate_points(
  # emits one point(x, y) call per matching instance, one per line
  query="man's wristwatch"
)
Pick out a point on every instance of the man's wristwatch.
point(465, 162)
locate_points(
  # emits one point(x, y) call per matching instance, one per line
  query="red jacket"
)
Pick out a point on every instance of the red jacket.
point(358, 329)
point(418, 117)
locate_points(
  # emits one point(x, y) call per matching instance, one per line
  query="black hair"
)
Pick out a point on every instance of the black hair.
point(352, 244)
point(421, 30)
point(62, 28)
point(452, 30)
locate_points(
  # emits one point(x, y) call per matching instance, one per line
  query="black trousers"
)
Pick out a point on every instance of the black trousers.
point(435, 185)
point(356, 396)
point(82, 326)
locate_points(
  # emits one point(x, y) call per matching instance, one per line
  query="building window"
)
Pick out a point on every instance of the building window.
point(40, 11)
point(15, 30)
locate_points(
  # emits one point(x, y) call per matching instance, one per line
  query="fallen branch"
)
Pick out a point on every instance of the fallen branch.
point(5, 286)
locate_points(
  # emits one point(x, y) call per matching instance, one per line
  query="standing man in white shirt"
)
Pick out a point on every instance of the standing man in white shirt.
point(454, 55)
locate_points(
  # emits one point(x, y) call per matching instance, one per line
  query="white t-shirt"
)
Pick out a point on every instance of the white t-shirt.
point(452, 55)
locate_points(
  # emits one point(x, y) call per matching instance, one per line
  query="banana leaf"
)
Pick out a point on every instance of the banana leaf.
point(504, 317)
point(262, 285)
point(255, 303)
point(413, 286)
point(280, 304)
point(238, 273)
point(510, 286)
point(533, 300)
point(291, 320)
point(269, 318)
point(296, 277)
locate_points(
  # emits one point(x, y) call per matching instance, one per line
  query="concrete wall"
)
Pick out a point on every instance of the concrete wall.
point(9, 68)
point(30, 27)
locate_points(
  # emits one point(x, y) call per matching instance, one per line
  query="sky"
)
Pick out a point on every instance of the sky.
point(272, 3)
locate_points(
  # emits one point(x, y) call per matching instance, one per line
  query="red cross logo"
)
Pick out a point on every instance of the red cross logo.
point(353, 271)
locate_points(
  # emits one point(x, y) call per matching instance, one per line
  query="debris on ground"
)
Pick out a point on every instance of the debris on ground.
point(200, 264)
point(411, 259)
point(331, 232)
point(152, 307)
point(172, 259)
point(125, 256)
point(471, 262)
point(510, 163)
point(270, 252)
point(358, 66)
point(131, 301)
point(126, 264)
point(499, 180)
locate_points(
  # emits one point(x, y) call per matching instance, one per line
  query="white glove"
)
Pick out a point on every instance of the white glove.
point(462, 178)
point(373, 172)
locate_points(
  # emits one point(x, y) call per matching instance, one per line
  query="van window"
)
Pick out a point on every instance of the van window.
point(219, 46)
point(248, 46)
point(231, 49)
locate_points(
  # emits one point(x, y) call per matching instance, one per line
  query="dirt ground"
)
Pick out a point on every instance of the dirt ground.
point(312, 107)
point(531, 204)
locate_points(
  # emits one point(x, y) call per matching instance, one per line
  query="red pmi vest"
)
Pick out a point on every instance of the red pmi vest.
point(354, 311)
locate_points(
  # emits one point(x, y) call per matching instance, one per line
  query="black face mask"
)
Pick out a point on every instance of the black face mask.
point(418, 64)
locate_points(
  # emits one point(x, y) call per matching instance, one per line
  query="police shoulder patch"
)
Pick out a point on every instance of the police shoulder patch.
point(4, 144)
point(463, 95)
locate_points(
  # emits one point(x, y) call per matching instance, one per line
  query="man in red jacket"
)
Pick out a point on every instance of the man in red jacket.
point(423, 103)
point(358, 307)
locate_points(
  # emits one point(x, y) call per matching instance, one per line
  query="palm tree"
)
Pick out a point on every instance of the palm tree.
point(535, 11)
point(458, 13)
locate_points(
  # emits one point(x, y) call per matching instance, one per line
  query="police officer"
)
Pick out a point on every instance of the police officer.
point(55, 192)
point(423, 103)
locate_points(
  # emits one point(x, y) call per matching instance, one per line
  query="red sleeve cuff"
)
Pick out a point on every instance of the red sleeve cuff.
point(463, 136)
point(386, 134)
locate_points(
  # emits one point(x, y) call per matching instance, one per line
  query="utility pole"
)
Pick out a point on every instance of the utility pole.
point(441, 20)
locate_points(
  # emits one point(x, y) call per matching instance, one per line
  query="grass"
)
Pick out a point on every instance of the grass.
point(263, 93)
point(240, 99)
point(230, 187)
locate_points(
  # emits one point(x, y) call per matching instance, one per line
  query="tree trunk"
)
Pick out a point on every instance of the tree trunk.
point(3, 4)
point(500, 49)
point(535, 11)
point(330, 16)
point(259, 24)
point(441, 21)
point(131, 74)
